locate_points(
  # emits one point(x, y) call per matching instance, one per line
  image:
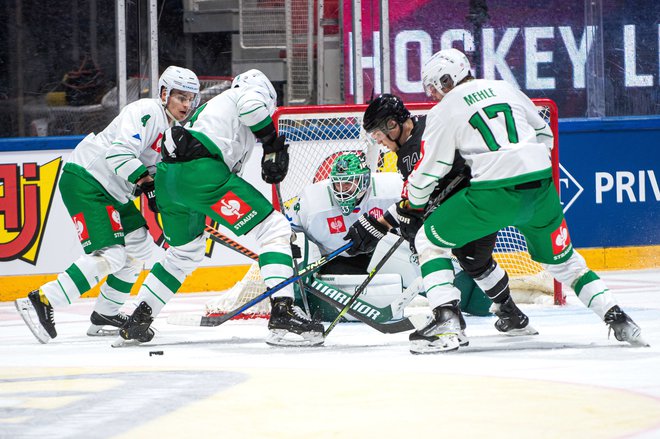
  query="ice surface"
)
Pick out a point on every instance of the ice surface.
point(570, 381)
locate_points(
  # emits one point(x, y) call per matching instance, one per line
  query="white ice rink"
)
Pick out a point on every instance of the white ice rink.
point(570, 381)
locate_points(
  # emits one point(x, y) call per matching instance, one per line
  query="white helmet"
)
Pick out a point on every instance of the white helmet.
point(445, 69)
point(178, 78)
point(259, 82)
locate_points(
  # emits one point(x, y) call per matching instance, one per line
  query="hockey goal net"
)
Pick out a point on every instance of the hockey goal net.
point(318, 134)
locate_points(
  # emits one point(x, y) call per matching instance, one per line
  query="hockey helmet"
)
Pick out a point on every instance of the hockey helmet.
point(445, 69)
point(349, 178)
point(381, 111)
point(259, 82)
point(178, 78)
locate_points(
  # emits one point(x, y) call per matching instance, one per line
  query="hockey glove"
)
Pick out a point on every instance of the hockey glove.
point(410, 220)
point(148, 188)
point(275, 165)
point(365, 234)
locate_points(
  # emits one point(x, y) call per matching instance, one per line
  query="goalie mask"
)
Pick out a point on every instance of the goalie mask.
point(256, 80)
point(349, 180)
point(445, 70)
point(178, 78)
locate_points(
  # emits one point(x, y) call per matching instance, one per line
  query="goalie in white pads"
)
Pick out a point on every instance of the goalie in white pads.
point(326, 210)
point(507, 145)
point(199, 177)
point(102, 176)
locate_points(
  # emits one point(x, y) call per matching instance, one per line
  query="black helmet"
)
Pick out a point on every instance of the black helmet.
point(381, 110)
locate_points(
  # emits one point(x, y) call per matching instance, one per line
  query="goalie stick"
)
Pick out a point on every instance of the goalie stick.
point(402, 325)
point(430, 208)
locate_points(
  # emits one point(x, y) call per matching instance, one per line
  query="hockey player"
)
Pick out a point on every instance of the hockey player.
point(103, 175)
point(325, 210)
point(389, 123)
point(507, 145)
point(199, 176)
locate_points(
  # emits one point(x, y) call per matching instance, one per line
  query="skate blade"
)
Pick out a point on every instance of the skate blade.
point(100, 331)
point(29, 316)
point(639, 342)
point(282, 337)
point(444, 343)
point(527, 330)
point(463, 341)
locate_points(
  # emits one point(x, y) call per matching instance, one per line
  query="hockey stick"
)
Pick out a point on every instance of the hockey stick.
point(230, 243)
point(402, 325)
point(301, 286)
point(431, 207)
point(311, 268)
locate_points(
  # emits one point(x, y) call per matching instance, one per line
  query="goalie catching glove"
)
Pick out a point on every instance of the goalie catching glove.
point(410, 220)
point(275, 162)
point(365, 234)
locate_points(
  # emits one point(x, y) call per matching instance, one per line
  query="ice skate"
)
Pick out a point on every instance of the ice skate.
point(137, 329)
point(289, 326)
point(512, 321)
point(441, 334)
point(99, 321)
point(37, 313)
point(623, 326)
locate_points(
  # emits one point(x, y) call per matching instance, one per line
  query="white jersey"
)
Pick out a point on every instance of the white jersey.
point(127, 148)
point(317, 214)
point(228, 121)
point(494, 127)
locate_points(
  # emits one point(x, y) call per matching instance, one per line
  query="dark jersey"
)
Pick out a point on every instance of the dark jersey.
point(409, 154)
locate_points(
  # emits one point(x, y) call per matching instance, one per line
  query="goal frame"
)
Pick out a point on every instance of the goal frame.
point(559, 296)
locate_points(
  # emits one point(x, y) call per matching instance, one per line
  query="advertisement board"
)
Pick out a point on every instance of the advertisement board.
point(596, 63)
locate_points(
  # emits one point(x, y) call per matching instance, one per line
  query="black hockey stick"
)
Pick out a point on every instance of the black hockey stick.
point(430, 208)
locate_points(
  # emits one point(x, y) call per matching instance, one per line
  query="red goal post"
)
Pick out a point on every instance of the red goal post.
point(316, 134)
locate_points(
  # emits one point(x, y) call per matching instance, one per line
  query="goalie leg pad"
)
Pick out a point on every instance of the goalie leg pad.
point(402, 261)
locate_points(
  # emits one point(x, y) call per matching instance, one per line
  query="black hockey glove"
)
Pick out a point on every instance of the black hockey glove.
point(148, 188)
point(365, 234)
point(275, 165)
point(410, 220)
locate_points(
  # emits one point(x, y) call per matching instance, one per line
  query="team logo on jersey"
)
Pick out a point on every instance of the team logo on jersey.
point(156, 145)
point(115, 218)
point(80, 226)
point(336, 224)
point(231, 208)
point(376, 212)
point(560, 238)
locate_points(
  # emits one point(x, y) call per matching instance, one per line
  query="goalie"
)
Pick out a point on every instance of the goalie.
point(326, 210)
